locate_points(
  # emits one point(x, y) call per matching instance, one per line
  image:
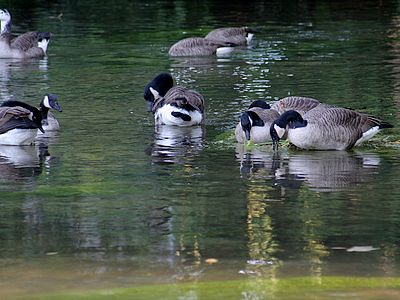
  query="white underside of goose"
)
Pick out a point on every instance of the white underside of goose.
point(305, 138)
point(18, 137)
point(367, 135)
point(222, 51)
point(163, 116)
point(258, 134)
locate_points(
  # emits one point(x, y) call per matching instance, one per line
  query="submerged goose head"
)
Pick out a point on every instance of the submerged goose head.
point(156, 88)
point(5, 19)
point(289, 118)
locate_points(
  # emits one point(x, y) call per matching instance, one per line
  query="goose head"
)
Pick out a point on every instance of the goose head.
point(43, 40)
point(50, 101)
point(249, 119)
point(157, 87)
point(5, 19)
point(291, 119)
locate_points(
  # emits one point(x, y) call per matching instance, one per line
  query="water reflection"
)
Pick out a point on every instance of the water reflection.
point(173, 144)
point(256, 162)
point(18, 163)
point(325, 171)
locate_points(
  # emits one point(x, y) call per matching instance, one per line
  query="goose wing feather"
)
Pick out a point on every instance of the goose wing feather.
point(195, 46)
point(180, 96)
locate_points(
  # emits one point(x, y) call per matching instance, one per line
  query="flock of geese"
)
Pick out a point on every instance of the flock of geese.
point(305, 122)
point(21, 123)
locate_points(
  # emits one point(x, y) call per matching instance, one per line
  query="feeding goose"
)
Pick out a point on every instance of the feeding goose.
point(233, 35)
point(19, 124)
point(254, 124)
point(198, 46)
point(331, 128)
point(173, 105)
point(48, 120)
point(32, 44)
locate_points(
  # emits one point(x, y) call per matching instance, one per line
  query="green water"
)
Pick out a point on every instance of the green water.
point(110, 204)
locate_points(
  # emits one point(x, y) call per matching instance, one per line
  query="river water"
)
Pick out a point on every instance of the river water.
point(110, 201)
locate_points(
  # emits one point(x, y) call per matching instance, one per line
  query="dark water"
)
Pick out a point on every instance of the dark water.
point(111, 202)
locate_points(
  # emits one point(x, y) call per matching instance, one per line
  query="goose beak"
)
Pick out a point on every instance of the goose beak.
point(57, 107)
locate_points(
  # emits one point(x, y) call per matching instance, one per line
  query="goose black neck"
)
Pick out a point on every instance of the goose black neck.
point(290, 117)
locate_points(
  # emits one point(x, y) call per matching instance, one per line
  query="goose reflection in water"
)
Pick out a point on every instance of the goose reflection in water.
point(173, 144)
point(19, 163)
point(325, 171)
point(22, 163)
point(258, 163)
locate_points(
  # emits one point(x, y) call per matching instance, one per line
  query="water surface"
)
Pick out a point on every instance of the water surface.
point(112, 202)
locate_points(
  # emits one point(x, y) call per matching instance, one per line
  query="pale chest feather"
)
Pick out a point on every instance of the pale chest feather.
point(163, 116)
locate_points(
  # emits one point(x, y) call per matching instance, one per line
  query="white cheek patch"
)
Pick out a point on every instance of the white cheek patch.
point(279, 130)
point(46, 102)
point(43, 44)
point(249, 37)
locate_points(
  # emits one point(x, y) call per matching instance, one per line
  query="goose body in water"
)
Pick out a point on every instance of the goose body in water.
point(32, 44)
point(48, 120)
point(331, 128)
point(254, 123)
point(19, 125)
point(232, 35)
point(198, 46)
point(173, 105)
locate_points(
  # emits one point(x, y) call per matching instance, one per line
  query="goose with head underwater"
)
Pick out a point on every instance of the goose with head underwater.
point(173, 105)
point(19, 124)
point(32, 44)
point(232, 35)
point(199, 46)
point(331, 128)
point(254, 123)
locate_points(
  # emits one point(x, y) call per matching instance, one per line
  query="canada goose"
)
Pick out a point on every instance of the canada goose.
point(233, 35)
point(332, 128)
point(173, 105)
point(299, 104)
point(32, 44)
point(254, 124)
point(19, 125)
point(48, 120)
point(198, 46)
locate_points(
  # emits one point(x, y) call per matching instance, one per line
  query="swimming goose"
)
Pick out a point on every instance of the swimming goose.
point(19, 125)
point(233, 35)
point(198, 46)
point(173, 105)
point(254, 124)
point(332, 128)
point(48, 120)
point(299, 104)
point(32, 44)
